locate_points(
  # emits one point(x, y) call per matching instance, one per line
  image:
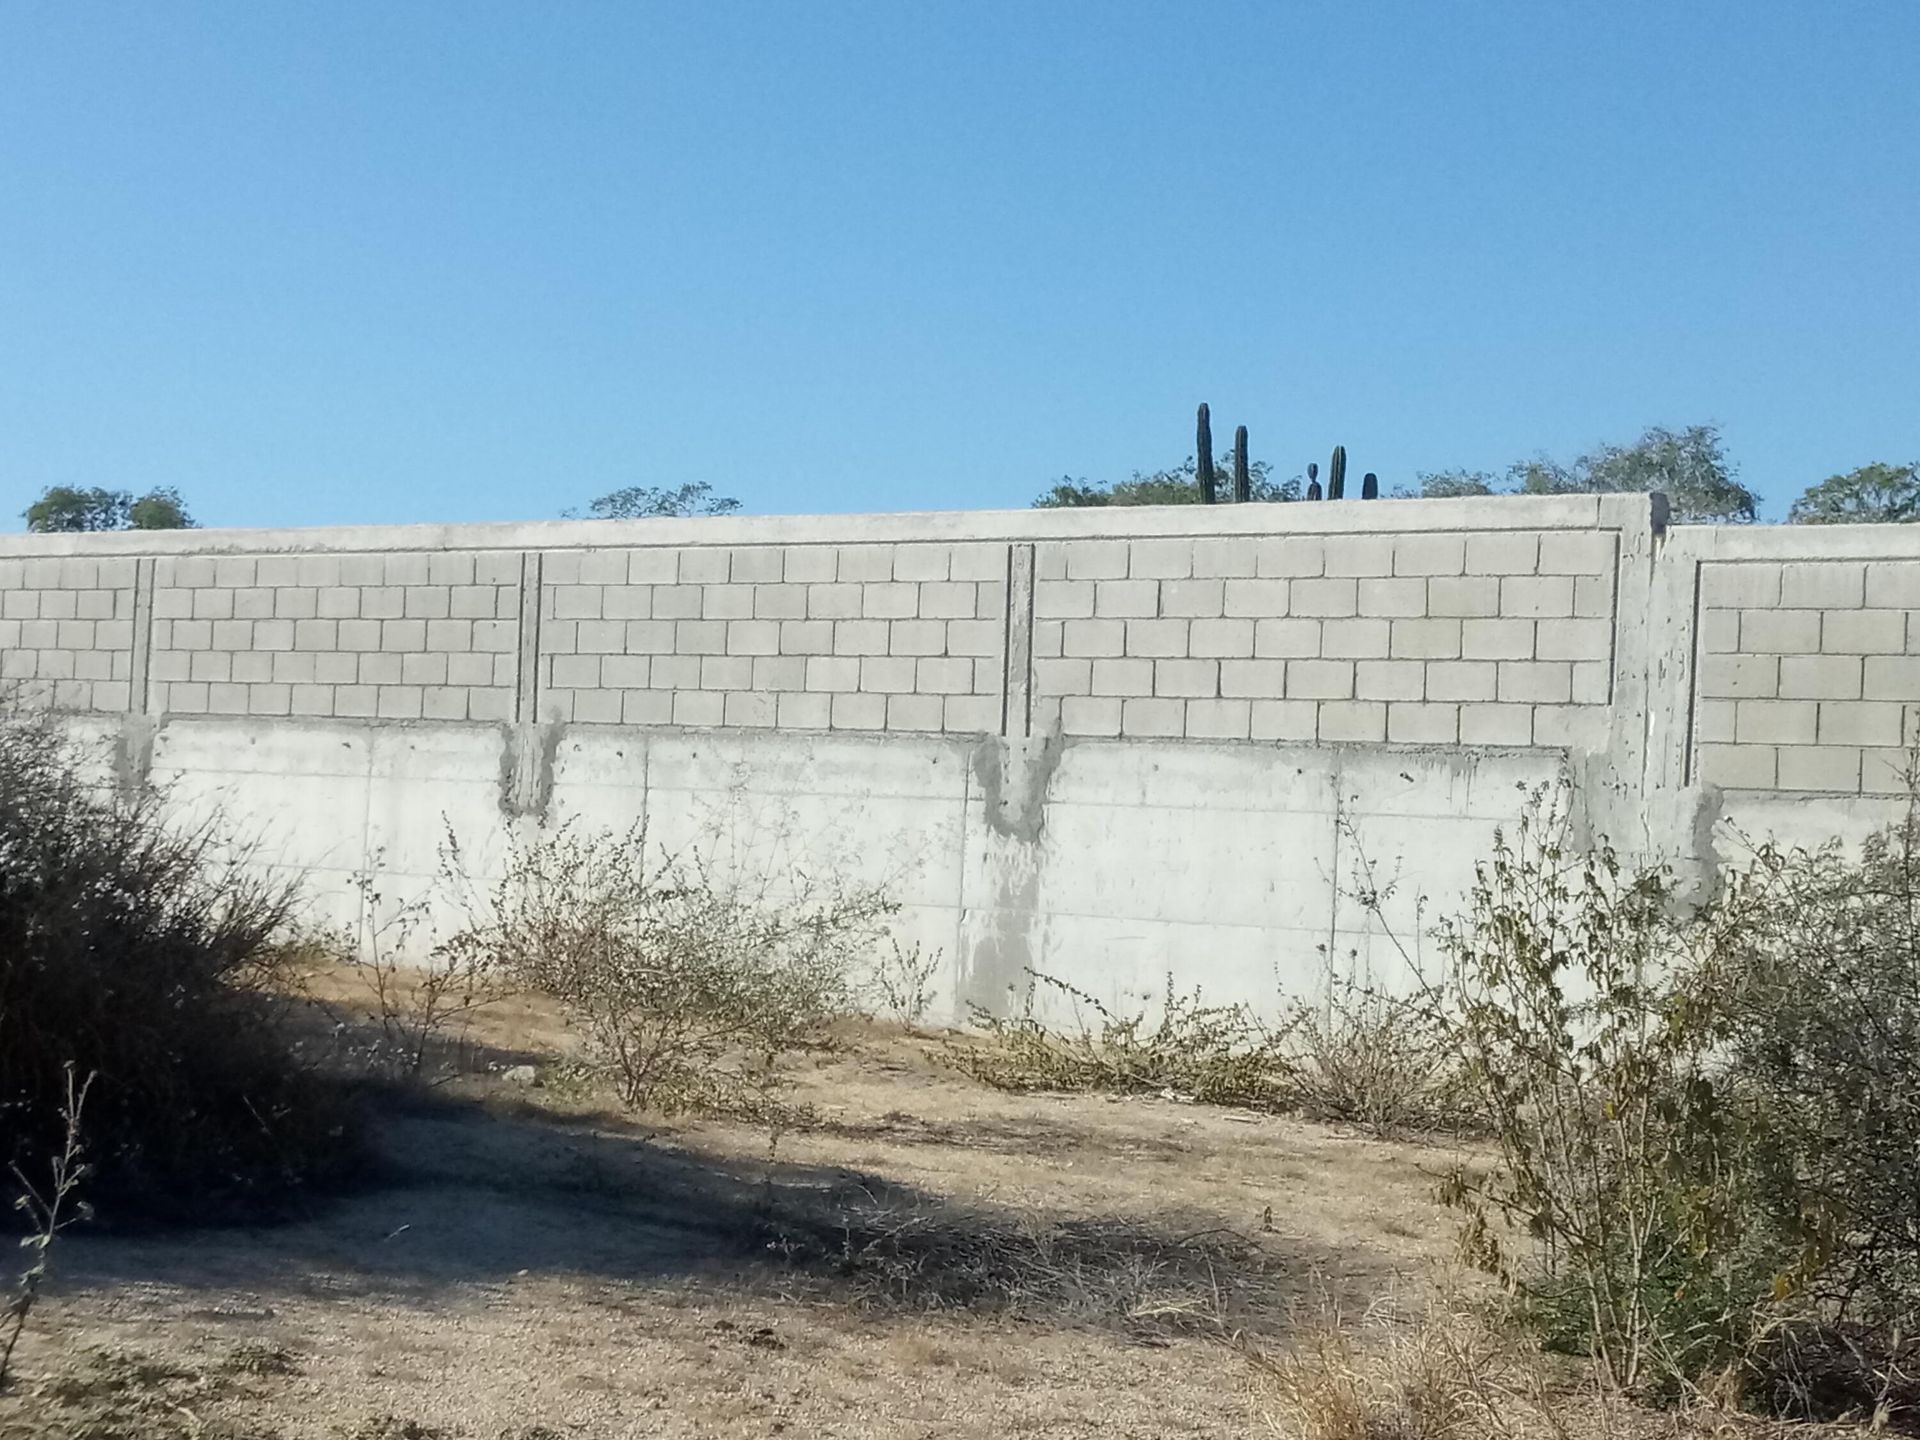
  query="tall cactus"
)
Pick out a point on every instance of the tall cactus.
point(1337, 473)
point(1242, 476)
point(1203, 458)
point(1313, 481)
point(1369, 486)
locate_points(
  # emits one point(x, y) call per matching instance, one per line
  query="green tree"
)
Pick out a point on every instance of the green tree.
point(66, 508)
point(1876, 494)
point(648, 502)
point(1689, 466)
point(1178, 486)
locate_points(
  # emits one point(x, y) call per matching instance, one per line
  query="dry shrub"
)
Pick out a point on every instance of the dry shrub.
point(1381, 1063)
point(692, 984)
point(1439, 1374)
point(1217, 1054)
point(139, 952)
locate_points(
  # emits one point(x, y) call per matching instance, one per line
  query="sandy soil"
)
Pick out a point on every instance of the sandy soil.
point(932, 1258)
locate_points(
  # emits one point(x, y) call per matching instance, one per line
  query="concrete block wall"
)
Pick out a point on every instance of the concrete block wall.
point(1112, 745)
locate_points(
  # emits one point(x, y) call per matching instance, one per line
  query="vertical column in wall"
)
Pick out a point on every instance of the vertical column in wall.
point(527, 684)
point(1016, 710)
point(139, 668)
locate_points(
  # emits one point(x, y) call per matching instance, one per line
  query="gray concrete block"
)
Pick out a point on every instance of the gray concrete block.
point(726, 602)
point(1359, 554)
point(1143, 717)
point(859, 712)
point(1126, 599)
point(1122, 678)
point(1776, 722)
point(1536, 682)
point(921, 563)
point(1222, 558)
point(1157, 639)
point(1090, 715)
point(1285, 720)
point(1862, 722)
point(1321, 680)
point(1356, 639)
point(1738, 767)
point(1389, 680)
point(1780, 632)
point(1186, 678)
point(1863, 632)
point(752, 708)
point(1416, 723)
point(1160, 560)
point(1220, 639)
point(860, 637)
point(1823, 585)
point(1438, 639)
point(1809, 677)
point(1327, 597)
point(1219, 719)
point(1353, 721)
point(1503, 552)
point(1290, 556)
point(1740, 676)
point(1818, 767)
point(1496, 724)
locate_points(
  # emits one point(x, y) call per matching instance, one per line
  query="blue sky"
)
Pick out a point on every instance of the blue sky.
point(408, 261)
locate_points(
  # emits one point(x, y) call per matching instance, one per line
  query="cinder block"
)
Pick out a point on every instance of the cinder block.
point(860, 637)
point(338, 668)
point(1536, 596)
point(699, 708)
point(617, 602)
point(1090, 715)
point(253, 603)
point(1286, 557)
point(1738, 767)
point(165, 664)
point(699, 637)
point(1861, 722)
point(674, 672)
point(1496, 724)
point(574, 672)
point(1321, 680)
point(863, 563)
point(1256, 599)
point(423, 669)
point(980, 560)
point(1389, 680)
point(779, 672)
point(573, 602)
point(1818, 767)
point(813, 637)
point(1359, 554)
point(1808, 677)
point(1353, 721)
point(1123, 677)
point(1285, 720)
point(463, 669)
point(227, 699)
point(1247, 679)
point(1126, 599)
point(1157, 638)
point(379, 669)
point(726, 672)
point(1753, 677)
point(796, 710)
point(186, 698)
point(947, 600)
point(833, 602)
point(233, 634)
point(1578, 552)
point(269, 634)
point(455, 567)
point(494, 704)
point(1219, 719)
point(704, 565)
point(1458, 680)
point(809, 565)
point(726, 602)
point(1393, 598)
point(493, 567)
point(1146, 717)
point(644, 637)
point(1884, 771)
point(1823, 585)
point(753, 637)
point(168, 604)
point(65, 604)
point(1426, 639)
point(1221, 558)
point(1503, 552)
point(750, 708)
point(1536, 682)
point(444, 702)
point(1429, 554)
point(1573, 640)
point(1593, 597)
point(779, 602)
point(382, 602)
point(1192, 599)
point(1355, 639)
point(1713, 722)
point(1160, 560)
point(358, 701)
point(1093, 559)
point(1775, 722)
point(916, 713)
point(1863, 632)
point(1230, 639)
point(975, 637)
point(1719, 632)
point(448, 636)
point(1893, 584)
point(1063, 599)
point(207, 605)
point(1185, 678)
point(202, 665)
point(403, 569)
point(337, 602)
point(1094, 638)
point(887, 674)
point(859, 712)
point(427, 602)
point(1410, 723)
point(679, 602)
point(920, 562)
point(1327, 597)
point(756, 565)
point(1592, 682)
point(617, 672)
point(296, 603)
point(1892, 677)
point(939, 675)
point(310, 700)
point(1780, 632)
point(653, 567)
point(1286, 639)
point(1732, 586)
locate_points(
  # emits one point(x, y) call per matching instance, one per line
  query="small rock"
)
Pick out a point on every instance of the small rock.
point(521, 1075)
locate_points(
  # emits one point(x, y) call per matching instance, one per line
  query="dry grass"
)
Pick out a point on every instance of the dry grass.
point(929, 1258)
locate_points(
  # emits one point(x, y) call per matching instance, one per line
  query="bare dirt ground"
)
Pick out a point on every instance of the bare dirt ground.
point(930, 1259)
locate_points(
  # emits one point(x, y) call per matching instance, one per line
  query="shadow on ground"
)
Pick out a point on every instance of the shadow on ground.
point(472, 1194)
